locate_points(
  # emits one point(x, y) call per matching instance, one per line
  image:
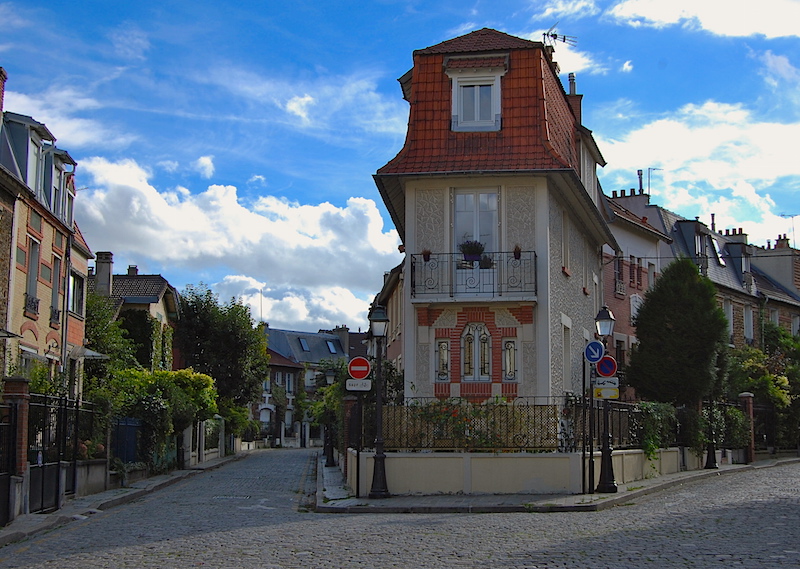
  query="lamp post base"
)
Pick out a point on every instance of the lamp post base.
point(379, 487)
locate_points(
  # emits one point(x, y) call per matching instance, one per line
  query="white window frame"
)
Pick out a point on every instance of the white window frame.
point(461, 78)
point(77, 296)
point(749, 332)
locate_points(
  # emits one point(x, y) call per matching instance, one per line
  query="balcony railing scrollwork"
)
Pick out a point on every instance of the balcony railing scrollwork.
point(495, 274)
point(31, 304)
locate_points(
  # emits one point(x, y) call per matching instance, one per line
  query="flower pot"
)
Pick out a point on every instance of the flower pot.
point(472, 256)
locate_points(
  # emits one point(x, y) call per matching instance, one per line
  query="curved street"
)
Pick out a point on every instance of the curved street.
point(253, 513)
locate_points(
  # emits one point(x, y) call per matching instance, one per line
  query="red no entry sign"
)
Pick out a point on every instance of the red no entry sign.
point(607, 366)
point(359, 368)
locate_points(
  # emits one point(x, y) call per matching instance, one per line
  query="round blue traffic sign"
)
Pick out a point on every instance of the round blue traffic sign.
point(607, 366)
point(594, 351)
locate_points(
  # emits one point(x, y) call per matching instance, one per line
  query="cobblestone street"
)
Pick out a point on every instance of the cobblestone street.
point(252, 514)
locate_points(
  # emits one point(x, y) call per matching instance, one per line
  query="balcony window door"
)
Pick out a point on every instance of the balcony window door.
point(475, 218)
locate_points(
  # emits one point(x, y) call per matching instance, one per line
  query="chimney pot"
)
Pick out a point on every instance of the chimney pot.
point(104, 279)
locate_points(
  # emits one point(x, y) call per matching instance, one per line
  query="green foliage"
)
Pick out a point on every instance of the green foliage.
point(105, 334)
point(469, 425)
point(692, 429)
point(222, 341)
point(42, 382)
point(680, 329)
point(761, 374)
point(236, 417)
point(657, 427)
point(166, 402)
point(735, 430)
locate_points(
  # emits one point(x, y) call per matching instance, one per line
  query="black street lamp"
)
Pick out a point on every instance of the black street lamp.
point(330, 377)
point(604, 321)
point(378, 324)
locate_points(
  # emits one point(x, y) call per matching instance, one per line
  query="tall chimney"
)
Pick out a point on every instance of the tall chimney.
point(3, 77)
point(103, 280)
point(641, 187)
point(574, 99)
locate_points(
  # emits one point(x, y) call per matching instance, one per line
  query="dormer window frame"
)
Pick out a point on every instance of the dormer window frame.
point(466, 97)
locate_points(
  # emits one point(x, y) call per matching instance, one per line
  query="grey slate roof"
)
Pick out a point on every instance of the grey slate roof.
point(288, 344)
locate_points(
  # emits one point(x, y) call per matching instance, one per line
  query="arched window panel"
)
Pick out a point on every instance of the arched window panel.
point(476, 353)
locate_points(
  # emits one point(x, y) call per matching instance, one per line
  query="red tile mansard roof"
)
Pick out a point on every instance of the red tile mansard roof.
point(485, 39)
point(538, 128)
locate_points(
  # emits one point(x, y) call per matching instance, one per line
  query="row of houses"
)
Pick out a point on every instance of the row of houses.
point(496, 153)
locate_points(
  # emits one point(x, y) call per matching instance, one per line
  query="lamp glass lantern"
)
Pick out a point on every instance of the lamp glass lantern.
point(378, 321)
point(604, 321)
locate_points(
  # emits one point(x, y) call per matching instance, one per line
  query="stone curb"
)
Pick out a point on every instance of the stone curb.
point(596, 505)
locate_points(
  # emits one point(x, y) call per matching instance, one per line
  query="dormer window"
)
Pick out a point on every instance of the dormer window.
point(476, 92)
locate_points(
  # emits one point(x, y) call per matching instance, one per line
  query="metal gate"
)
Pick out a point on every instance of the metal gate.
point(8, 425)
point(45, 435)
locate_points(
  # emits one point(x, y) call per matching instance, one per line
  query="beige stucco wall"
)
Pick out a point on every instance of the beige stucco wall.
point(511, 473)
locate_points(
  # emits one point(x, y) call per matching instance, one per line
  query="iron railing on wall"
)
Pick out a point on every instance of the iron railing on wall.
point(525, 424)
point(494, 274)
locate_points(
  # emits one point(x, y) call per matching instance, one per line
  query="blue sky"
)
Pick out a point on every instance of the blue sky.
point(234, 143)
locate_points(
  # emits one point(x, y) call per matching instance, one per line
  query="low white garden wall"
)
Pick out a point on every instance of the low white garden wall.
point(502, 473)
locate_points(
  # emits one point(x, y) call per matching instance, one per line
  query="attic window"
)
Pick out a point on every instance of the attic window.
point(718, 247)
point(331, 346)
point(476, 92)
point(304, 345)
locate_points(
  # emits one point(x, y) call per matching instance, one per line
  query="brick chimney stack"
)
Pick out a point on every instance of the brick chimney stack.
point(103, 280)
point(782, 242)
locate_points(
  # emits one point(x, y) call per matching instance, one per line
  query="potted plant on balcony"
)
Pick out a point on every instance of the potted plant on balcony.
point(472, 250)
point(517, 252)
point(426, 255)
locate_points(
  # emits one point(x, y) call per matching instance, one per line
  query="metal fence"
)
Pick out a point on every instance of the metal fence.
point(536, 424)
point(59, 430)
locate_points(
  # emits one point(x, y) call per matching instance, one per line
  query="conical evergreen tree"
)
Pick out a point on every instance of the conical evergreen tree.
point(680, 329)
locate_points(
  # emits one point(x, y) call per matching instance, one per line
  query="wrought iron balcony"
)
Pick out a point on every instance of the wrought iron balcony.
point(494, 275)
point(31, 304)
point(55, 315)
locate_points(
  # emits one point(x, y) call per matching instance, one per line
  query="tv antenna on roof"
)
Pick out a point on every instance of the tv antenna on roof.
point(550, 37)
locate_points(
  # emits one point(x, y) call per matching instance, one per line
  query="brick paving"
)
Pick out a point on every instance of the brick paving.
point(254, 513)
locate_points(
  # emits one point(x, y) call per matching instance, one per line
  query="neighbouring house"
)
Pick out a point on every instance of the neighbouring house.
point(496, 200)
point(147, 305)
point(43, 269)
point(297, 362)
point(754, 284)
point(46, 283)
point(782, 263)
point(627, 275)
point(278, 393)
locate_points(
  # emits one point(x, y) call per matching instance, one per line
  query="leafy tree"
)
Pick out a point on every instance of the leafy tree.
point(222, 341)
point(104, 334)
point(680, 329)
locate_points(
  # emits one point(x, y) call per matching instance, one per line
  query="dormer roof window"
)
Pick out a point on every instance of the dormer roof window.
point(476, 93)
